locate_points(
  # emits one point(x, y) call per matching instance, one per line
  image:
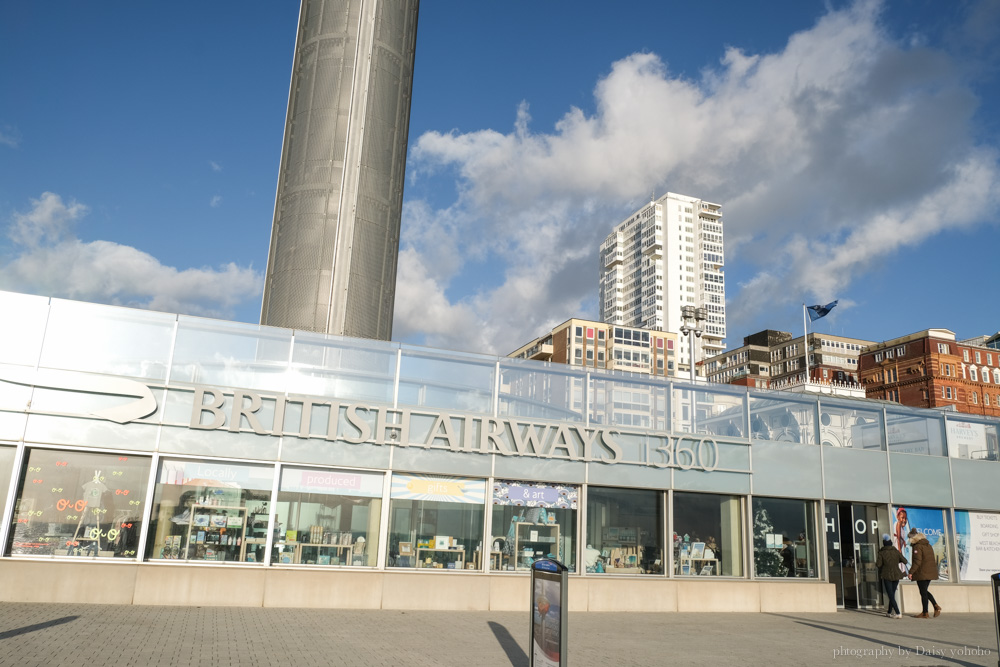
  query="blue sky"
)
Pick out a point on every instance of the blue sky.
point(853, 146)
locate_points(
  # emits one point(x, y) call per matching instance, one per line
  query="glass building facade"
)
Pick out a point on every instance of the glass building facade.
point(140, 437)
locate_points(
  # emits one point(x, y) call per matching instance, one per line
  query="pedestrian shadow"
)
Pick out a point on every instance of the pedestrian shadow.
point(517, 657)
point(16, 632)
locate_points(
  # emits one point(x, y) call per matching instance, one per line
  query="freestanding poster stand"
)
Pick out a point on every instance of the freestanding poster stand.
point(549, 614)
point(995, 580)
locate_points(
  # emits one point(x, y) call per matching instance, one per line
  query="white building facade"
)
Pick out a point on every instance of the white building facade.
point(665, 256)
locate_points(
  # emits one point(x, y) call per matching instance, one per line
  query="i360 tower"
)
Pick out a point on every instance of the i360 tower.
point(335, 237)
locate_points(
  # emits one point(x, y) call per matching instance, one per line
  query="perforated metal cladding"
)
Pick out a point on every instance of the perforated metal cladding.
point(327, 208)
point(376, 237)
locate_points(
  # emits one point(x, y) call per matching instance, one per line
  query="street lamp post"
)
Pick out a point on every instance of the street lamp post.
point(693, 317)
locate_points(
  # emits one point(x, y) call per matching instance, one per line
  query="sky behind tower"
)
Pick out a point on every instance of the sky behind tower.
point(852, 145)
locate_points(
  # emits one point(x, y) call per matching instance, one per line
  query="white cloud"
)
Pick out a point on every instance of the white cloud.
point(9, 136)
point(215, 165)
point(215, 201)
point(51, 261)
point(847, 145)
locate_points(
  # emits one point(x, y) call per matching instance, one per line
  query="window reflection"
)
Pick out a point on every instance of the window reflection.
point(784, 542)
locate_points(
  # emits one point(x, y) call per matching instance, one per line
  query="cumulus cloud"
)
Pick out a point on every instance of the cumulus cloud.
point(849, 144)
point(49, 259)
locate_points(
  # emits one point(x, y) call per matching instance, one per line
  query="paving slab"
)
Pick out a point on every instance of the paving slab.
point(75, 634)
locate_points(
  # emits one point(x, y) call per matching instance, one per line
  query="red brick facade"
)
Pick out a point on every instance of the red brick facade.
point(931, 369)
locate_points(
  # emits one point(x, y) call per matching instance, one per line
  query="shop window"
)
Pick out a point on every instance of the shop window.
point(79, 504)
point(708, 532)
point(624, 531)
point(784, 542)
point(435, 522)
point(210, 511)
point(327, 517)
point(531, 521)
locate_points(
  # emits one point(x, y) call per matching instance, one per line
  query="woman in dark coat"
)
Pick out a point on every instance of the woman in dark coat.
point(924, 570)
point(890, 569)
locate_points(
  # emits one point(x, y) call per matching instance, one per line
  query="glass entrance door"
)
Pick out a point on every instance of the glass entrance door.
point(870, 521)
point(853, 537)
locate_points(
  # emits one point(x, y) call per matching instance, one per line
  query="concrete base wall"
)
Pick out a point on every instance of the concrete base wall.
point(229, 586)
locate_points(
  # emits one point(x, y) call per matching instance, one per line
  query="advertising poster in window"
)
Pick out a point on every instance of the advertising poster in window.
point(978, 545)
point(928, 521)
point(444, 489)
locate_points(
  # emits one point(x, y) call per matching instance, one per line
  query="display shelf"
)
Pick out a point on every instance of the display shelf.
point(459, 561)
point(696, 566)
point(216, 532)
point(538, 538)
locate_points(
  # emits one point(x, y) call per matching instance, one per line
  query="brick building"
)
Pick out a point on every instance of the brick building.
point(930, 369)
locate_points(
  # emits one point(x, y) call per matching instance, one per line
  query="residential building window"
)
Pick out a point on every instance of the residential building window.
point(973, 375)
point(978, 358)
point(975, 397)
point(965, 355)
point(942, 348)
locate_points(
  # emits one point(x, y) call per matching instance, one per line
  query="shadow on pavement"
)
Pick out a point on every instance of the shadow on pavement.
point(517, 657)
point(7, 634)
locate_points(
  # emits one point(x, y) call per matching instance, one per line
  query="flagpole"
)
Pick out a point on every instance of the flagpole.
point(805, 342)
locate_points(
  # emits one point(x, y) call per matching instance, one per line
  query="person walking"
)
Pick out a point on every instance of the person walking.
point(890, 570)
point(924, 570)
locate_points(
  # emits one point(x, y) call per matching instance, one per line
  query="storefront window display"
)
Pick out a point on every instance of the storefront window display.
point(624, 531)
point(327, 517)
point(930, 522)
point(530, 521)
point(210, 511)
point(79, 504)
point(435, 522)
point(978, 555)
point(708, 535)
point(784, 538)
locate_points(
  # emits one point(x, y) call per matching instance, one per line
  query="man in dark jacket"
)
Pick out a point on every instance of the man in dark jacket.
point(890, 569)
point(924, 570)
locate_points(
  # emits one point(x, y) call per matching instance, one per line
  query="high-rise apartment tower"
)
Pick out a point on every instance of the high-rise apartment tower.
point(335, 237)
point(665, 256)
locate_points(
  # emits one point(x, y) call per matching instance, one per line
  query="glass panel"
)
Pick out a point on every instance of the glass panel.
point(622, 401)
point(538, 390)
point(105, 339)
point(834, 552)
point(972, 439)
point(978, 555)
point(624, 531)
point(706, 523)
point(849, 424)
point(929, 522)
point(7, 456)
point(715, 412)
point(210, 511)
point(79, 504)
point(435, 522)
point(782, 419)
point(914, 432)
point(230, 354)
point(870, 522)
point(784, 538)
point(530, 521)
point(326, 517)
point(342, 368)
point(21, 344)
point(452, 382)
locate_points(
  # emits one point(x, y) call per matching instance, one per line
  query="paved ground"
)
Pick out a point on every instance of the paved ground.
point(94, 635)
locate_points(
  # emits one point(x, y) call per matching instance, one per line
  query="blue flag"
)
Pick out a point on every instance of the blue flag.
point(816, 312)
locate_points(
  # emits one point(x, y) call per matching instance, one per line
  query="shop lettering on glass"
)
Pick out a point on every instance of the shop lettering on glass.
point(366, 425)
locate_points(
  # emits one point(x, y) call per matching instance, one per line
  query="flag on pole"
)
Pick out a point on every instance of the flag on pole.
point(816, 312)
